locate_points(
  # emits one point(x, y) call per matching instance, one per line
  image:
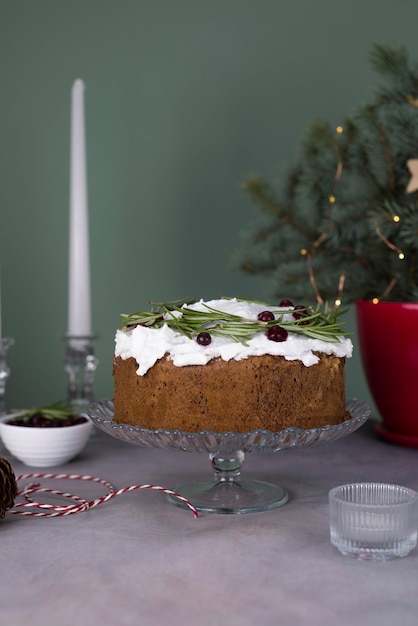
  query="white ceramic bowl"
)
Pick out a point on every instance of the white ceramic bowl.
point(44, 447)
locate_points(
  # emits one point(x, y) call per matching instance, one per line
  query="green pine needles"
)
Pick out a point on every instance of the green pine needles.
point(342, 225)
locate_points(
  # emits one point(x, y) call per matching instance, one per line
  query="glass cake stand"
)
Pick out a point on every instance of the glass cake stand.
point(228, 492)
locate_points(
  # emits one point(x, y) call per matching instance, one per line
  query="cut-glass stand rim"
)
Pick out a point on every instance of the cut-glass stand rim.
point(102, 413)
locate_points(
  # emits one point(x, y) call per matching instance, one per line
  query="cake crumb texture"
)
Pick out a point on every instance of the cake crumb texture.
point(260, 392)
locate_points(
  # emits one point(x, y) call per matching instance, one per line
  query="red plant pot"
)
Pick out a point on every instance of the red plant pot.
point(388, 337)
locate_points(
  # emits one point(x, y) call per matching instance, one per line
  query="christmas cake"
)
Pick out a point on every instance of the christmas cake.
point(230, 365)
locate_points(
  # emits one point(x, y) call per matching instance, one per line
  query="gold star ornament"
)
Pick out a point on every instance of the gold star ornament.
point(413, 168)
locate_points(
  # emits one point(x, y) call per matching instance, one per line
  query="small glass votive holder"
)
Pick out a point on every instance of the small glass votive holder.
point(373, 521)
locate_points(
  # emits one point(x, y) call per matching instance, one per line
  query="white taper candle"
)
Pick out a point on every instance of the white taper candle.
point(79, 308)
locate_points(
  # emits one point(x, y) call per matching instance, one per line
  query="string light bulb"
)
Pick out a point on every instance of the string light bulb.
point(304, 252)
point(396, 218)
point(337, 302)
point(375, 300)
point(331, 199)
point(339, 130)
point(401, 256)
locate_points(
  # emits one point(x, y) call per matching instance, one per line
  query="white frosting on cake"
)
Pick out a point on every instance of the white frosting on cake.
point(148, 345)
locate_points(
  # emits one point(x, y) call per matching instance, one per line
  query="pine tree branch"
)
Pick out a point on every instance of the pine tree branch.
point(341, 199)
point(385, 147)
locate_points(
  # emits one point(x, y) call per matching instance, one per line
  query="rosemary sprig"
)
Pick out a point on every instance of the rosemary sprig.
point(316, 323)
point(54, 411)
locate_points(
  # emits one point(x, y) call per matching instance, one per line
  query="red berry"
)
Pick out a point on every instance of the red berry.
point(265, 316)
point(36, 420)
point(286, 303)
point(299, 313)
point(277, 333)
point(203, 339)
point(39, 421)
point(80, 420)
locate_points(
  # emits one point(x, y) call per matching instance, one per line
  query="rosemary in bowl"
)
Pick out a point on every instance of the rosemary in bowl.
point(54, 415)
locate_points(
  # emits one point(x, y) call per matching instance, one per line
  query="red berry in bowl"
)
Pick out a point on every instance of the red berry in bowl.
point(37, 420)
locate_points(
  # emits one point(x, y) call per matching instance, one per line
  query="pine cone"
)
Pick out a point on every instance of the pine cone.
point(8, 486)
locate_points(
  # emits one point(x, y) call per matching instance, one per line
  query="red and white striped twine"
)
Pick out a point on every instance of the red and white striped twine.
point(81, 504)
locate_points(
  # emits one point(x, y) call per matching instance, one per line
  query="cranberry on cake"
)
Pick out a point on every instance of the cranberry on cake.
point(230, 365)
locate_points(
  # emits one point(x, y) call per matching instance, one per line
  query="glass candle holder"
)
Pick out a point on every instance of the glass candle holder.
point(373, 521)
point(80, 365)
point(5, 344)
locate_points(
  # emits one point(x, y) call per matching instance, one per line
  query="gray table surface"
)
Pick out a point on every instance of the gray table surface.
point(138, 559)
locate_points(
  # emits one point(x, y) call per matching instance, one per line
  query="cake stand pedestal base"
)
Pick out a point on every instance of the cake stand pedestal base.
point(228, 493)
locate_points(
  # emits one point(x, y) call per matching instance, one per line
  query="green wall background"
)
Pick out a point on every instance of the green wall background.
point(184, 100)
